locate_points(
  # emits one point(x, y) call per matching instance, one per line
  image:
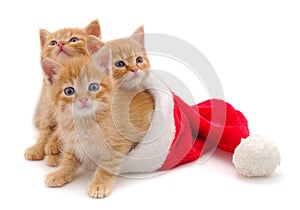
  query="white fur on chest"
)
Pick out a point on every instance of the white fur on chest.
point(87, 141)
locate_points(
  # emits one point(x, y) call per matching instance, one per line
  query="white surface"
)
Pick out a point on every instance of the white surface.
point(253, 46)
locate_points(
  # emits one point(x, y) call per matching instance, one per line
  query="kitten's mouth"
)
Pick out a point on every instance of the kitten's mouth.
point(134, 76)
point(62, 51)
point(84, 107)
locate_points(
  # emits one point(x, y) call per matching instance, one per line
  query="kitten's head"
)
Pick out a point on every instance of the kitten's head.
point(130, 63)
point(67, 42)
point(82, 86)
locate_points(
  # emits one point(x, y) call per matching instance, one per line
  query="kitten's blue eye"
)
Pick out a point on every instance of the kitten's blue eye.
point(74, 39)
point(94, 87)
point(139, 60)
point(69, 91)
point(119, 64)
point(53, 43)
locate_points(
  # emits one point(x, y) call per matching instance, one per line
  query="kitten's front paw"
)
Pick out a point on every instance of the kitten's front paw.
point(57, 179)
point(52, 148)
point(35, 152)
point(53, 160)
point(98, 190)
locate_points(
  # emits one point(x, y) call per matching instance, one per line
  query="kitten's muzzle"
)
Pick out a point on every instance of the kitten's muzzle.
point(134, 70)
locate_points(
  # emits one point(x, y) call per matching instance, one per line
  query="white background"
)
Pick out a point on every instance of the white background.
point(254, 47)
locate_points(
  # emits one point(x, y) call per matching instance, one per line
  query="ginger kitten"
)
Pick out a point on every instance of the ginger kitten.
point(59, 46)
point(82, 91)
point(131, 68)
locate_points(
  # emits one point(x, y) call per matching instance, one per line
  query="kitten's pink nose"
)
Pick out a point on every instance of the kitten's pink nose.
point(134, 70)
point(61, 44)
point(83, 100)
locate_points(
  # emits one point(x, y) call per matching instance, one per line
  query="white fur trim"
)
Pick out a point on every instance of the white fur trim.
point(151, 152)
point(256, 156)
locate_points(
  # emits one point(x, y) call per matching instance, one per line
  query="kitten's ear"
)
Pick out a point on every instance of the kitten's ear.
point(44, 34)
point(103, 60)
point(50, 68)
point(138, 36)
point(94, 28)
point(93, 44)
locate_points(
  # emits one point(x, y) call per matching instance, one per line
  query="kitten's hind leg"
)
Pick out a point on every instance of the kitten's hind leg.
point(53, 150)
point(53, 146)
point(37, 151)
point(64, 174)
point(53, 160)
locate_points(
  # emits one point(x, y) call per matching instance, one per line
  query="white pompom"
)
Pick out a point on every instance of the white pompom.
point(256, 156)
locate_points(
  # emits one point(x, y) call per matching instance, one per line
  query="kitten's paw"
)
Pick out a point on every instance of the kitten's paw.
point(98, 190)
point(35, 152)
point(57, 179)
point(51, 148)
point(53, 160)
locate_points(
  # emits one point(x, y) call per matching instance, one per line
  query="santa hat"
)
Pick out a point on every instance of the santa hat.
point(179, 133)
